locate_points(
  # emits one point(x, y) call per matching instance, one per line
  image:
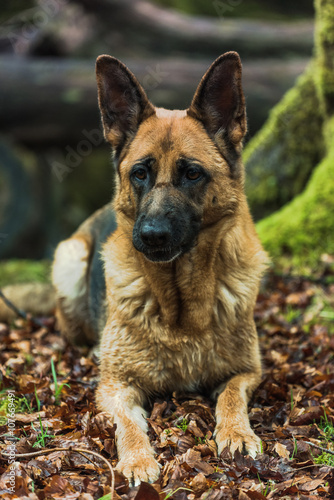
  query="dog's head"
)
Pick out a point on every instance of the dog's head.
point(178, 171)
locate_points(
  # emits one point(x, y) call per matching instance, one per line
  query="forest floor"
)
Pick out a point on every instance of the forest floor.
point(52, 384)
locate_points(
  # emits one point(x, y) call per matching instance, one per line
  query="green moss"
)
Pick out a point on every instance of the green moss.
point(325, 459)
point(24, 271)
point(328, 428)
point(280, 158)
point(304, 228)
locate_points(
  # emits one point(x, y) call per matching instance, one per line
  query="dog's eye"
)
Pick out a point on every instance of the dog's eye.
point(193, 174)
point(140, 174)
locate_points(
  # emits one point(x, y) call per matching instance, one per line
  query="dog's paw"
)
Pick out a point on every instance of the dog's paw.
point(242, 439)
point(138, 468)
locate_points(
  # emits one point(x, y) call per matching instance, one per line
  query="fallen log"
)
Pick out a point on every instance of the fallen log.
point(50, 102)
point(141, 24)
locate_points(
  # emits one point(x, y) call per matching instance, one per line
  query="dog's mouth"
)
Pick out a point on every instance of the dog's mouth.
point(163, 255)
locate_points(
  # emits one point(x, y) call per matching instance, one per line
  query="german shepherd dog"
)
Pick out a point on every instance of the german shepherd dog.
point(182, 263)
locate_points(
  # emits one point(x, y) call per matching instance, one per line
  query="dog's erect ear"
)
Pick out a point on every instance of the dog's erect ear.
point(219, 101)
point(122, 101)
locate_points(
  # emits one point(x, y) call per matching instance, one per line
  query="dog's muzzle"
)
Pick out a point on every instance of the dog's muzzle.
point(158, 239)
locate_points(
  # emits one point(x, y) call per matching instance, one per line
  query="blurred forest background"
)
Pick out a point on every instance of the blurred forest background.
point(55, 168)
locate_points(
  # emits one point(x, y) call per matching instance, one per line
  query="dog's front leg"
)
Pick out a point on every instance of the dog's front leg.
point(233, 428)
point(125, 406)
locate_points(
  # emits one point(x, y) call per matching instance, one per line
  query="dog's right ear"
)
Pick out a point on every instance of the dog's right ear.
point(219, 102)
point(122, 101)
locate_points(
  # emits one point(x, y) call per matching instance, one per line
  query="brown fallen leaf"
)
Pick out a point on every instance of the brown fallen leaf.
point(60, 487)
point(27, 418)
point(147, 492)
point(297, 360)
point(199, 483)
point(255, 495)
point(194, 460)
point(311, 485)
point(281, 450)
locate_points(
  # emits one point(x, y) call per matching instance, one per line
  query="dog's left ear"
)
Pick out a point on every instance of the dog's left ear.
point(122, 101)
point(219, 102)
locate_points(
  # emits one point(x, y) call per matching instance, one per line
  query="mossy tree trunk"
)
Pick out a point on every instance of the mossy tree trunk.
point(296, 148)
point(281, 156)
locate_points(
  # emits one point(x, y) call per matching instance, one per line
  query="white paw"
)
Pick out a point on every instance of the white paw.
point(242, 439)
point(142, 467)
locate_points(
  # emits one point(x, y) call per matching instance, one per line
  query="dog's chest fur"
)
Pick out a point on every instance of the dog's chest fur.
point(171, 330)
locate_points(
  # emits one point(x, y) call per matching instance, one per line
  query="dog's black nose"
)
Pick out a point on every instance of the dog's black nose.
point(155, 233)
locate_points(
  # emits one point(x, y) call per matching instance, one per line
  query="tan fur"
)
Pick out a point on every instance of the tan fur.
point(178, 326)
point(185, 324)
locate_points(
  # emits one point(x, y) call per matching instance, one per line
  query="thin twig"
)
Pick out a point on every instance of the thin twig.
point(19, 312)
point(81, 451)
point(87, 458)
point(311, 466)
point(326, 450)
point(12, 306)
